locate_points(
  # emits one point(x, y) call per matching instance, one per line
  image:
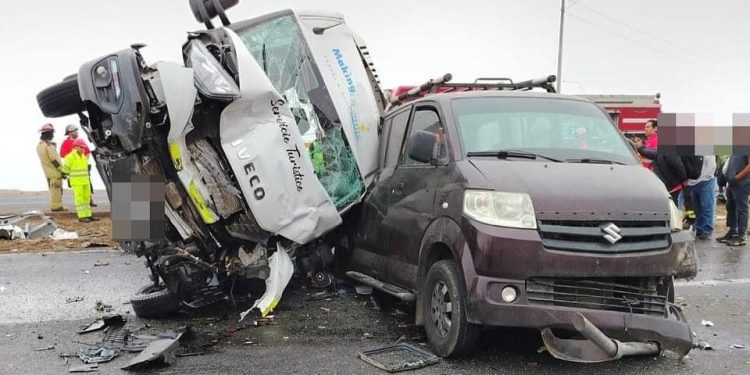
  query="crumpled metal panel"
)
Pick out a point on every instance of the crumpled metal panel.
point(265, 150)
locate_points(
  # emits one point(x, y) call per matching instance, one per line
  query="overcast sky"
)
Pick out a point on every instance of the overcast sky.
point(695, 53)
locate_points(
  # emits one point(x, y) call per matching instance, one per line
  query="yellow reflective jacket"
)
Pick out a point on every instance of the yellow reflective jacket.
point(76, 165)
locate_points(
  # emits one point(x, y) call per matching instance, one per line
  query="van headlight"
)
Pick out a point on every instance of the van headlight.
point(513, 210)
point(210, 77)
point(675, 217)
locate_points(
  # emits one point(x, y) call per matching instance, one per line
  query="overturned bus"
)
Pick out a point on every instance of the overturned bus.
point(263, 138)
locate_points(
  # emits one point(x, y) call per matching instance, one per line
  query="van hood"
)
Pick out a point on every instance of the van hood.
point(578, 191)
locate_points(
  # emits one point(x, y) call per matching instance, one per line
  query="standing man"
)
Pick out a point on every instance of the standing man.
point(76, 165)
point(52, 165)
point(71, 131)
point(737, 173)
point(669, 168)
point(651, 142)
point(704, 199)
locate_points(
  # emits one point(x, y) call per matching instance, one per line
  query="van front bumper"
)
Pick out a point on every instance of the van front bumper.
point(486, 307)
point(495, 258)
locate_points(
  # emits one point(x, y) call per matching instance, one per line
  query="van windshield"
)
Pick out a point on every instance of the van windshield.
point(568, 130)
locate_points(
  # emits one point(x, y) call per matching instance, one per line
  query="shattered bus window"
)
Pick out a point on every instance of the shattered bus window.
point(138, 208)
point(278, 47)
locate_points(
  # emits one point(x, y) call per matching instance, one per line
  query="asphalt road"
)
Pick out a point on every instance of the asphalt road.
point(40, 201)
point(323, 336)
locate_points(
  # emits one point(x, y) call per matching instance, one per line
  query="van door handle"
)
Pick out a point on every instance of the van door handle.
point(398, 189)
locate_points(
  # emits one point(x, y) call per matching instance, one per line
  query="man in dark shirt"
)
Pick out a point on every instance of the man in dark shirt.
point(738, 190)
point(669, 168)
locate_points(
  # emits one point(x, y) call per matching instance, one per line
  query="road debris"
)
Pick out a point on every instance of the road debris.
point(89, 245)
point(282, 269)
point(101, 263)
point(738, 346)
point(98, 355)
point(51, 347)
point(31, 225)
point(102, 307)
point(111, 320)
point(74, 299)
point(707, 323)
point(703, 345)
point(85, 368)
point(161, 350)
point(398, 357)
point(61, 234)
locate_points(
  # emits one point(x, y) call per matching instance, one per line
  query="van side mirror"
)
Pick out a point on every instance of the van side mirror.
point(422, 146)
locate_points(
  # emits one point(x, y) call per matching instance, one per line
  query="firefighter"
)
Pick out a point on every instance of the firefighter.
point(52, 165)
point(71, 132)
point(76, 166)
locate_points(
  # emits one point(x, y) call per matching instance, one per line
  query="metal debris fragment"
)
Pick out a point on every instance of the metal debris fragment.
point(102, 307)
point(101, 263)
point(282, 269)
point(85, 368)
point(161, 350)
point(51, 347)
point(106, 321)
point(738, 346)
point(703, 345)
point(98, 355)
point(399, 357)
point(707, 323)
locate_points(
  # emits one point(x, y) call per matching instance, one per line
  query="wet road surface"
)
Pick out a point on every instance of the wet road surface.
point(323, 336)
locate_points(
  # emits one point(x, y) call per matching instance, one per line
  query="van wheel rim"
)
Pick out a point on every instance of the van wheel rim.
point(441, 309)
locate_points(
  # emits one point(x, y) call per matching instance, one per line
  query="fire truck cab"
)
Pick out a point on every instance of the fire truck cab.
point(629, 112)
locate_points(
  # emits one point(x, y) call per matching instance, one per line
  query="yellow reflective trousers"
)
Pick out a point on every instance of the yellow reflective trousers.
point(76, 165)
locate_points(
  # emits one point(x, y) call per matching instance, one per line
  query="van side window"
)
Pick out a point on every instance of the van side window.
point(396, 138)
point(427, 118)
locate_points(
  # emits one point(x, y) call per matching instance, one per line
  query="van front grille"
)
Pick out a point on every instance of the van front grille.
point(591, 236)
point(629, 295)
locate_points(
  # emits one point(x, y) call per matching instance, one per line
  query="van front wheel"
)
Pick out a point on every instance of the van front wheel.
point(444, 312)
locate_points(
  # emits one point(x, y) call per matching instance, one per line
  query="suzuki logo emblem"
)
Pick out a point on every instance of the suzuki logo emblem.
point(612, 233)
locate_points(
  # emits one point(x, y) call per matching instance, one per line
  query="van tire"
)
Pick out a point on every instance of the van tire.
point(61, 99)
point(442, 289)
point(154, 302)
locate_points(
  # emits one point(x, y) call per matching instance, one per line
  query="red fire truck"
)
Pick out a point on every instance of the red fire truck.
point(629, 112)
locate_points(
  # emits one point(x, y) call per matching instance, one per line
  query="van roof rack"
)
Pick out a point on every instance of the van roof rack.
point(441, 85)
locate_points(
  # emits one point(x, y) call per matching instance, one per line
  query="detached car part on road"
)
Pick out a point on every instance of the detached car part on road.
point(263, 138)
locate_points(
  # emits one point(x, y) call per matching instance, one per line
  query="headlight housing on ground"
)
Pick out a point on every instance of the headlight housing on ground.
point(675, 217)
point(512, 210)
point(210, 77)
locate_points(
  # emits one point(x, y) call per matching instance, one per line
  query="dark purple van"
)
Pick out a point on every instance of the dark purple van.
point(521, 209)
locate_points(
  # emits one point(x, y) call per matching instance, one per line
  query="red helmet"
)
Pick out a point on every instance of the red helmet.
point(47, 128)
point(79, 142)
